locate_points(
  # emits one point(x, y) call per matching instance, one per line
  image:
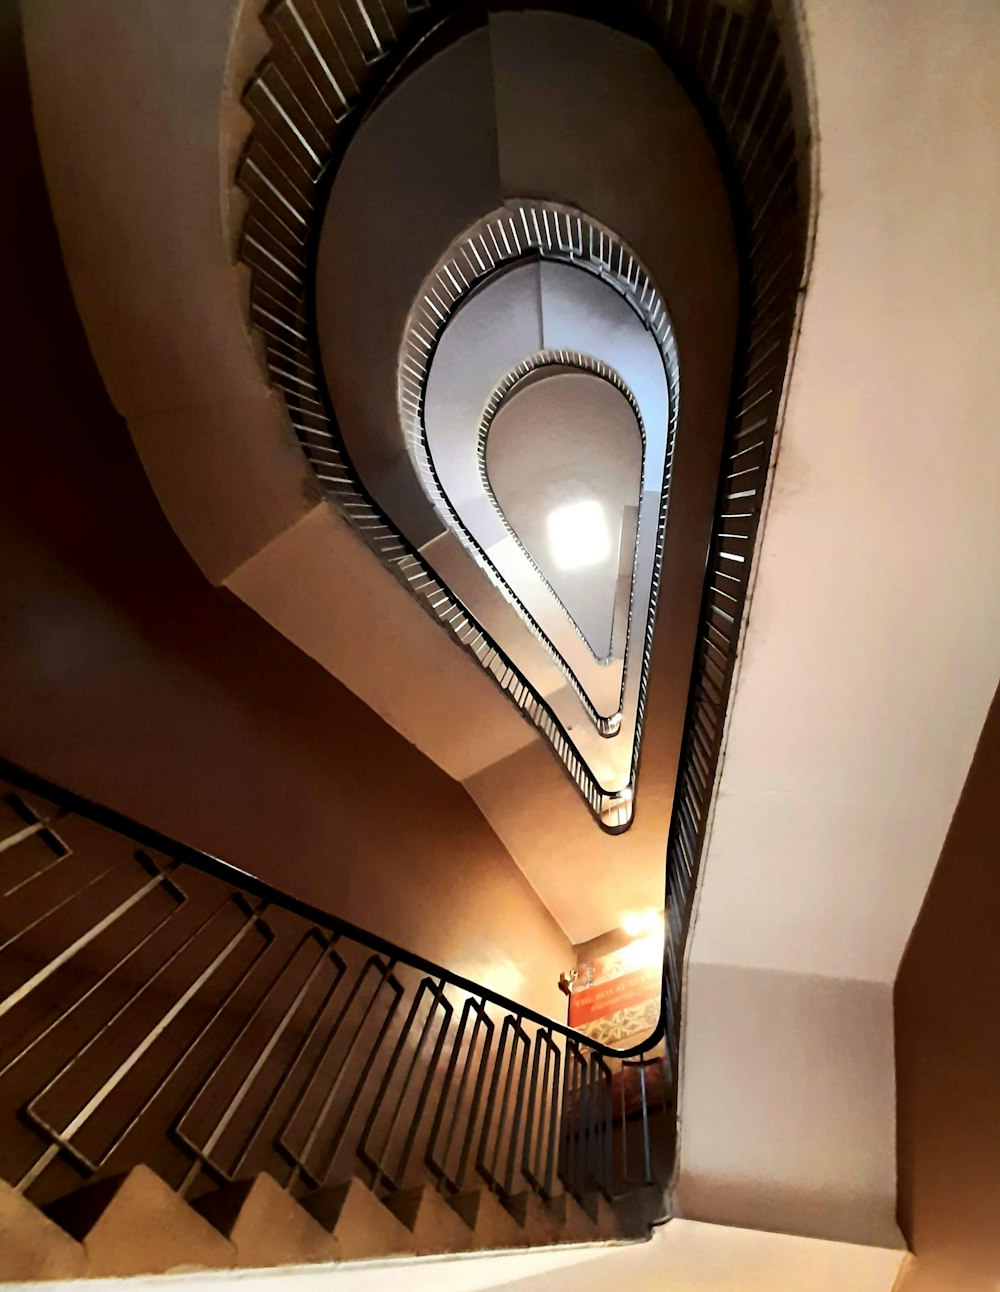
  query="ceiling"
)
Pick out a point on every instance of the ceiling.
point(568, 439)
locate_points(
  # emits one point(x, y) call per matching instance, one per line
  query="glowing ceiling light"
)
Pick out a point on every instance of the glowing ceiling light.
point(578, 535)
point(639, 924)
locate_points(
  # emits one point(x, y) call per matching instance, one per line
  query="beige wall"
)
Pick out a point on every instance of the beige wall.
point(948, 1050)
point(872, 648)
point(127, 678)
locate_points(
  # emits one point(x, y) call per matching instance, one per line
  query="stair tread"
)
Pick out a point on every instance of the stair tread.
point(361, 1226)
point(266, 1225)
point(137, 1224)
point(540, 1226)
point(32, 1245)
point(435, 1226)
point(575, 1224)
point(493, 1227)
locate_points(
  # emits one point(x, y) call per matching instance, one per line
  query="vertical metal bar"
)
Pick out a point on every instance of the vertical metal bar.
point(91, 991)
point(624, 1136)
point(221, 1124)
point(94, 931)
point(457, 1049)
point(488, 1173)
point(646, 1150)
point(300, 1049)
point(477, 1096)
point(418, 1112)
point(300, 1159)
point(182, 1056)
point(484, 1023)
point(375, 1162)
point(529, 1160)
point(551, 1163)
point(77, 892)
point(608, 1163)
point(515, 1128)
point(63, 1137)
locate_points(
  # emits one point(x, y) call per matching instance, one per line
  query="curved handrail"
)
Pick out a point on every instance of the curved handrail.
point(125, 825)
point(744, 69)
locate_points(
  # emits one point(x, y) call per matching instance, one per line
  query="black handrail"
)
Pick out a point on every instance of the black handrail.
point(239, 1029)
point(743, 68)
point(250, 883)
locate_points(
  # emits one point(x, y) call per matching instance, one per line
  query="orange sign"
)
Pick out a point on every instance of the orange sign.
point(618, 995)
point(588, 1004)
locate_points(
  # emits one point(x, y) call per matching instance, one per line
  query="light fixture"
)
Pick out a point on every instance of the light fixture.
point(639, 924)
point(578, 534)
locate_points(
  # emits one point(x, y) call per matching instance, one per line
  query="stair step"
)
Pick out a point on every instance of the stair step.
point(266, 1225)
point(575, 1226)
point(492, 1225)
point(362, 1228)
point(604, 1217)
point(534, 1217)
point(137, 1224)
point(31, 1245)
point(435, 1226)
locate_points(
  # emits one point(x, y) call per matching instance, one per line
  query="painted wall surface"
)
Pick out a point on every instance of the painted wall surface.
point(148, 229)
point(126, 677)
point(948, 1050)
point(873, 645)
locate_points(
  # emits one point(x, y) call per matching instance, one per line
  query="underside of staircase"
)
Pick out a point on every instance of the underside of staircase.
point(137, 1224)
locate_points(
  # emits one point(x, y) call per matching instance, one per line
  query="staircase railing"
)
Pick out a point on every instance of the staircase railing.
point(160, 1006)
point(743, 66)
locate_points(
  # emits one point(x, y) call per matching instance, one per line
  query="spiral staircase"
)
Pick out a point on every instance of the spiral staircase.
point(487, 265)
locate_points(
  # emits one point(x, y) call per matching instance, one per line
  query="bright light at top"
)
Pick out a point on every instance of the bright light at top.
point(641, 923)
point(578, 535)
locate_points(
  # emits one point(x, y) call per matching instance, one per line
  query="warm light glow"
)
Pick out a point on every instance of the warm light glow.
point(578, 535)
point(638, 924)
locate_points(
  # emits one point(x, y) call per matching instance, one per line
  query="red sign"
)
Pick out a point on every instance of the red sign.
point(628, 990)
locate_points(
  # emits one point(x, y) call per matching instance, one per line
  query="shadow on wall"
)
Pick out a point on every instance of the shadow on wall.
point(127, 678)
point(948, 1050)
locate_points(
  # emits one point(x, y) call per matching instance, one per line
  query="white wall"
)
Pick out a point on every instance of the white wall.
point(873, 645)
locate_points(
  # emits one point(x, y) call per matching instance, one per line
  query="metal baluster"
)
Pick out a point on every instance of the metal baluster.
point(62, 1138)
point(515, 1128)
point(95, 930)
point(299, 1159)
point(91, 991)
point(458, 1050)
point(223, 1121)
point(300, 1049)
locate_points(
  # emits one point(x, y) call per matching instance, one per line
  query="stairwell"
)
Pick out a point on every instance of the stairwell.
point(197, 1072)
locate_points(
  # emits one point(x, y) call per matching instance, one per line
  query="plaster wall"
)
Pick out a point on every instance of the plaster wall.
point(128, 678)
point(873, 644)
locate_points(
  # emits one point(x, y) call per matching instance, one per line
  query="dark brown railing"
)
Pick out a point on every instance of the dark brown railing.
point(160, 1006)
point(742, 63)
